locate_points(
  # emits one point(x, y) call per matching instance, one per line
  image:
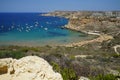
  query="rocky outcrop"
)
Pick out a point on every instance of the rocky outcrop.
point(83, 78)
point(27, 68)
point(101, 24)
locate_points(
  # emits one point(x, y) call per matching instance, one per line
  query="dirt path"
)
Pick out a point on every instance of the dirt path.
point(115, 49)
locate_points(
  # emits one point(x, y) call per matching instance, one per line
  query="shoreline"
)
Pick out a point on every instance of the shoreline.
point(51, 43)
point(100, 35)
point(81, 28)
point(100, 38)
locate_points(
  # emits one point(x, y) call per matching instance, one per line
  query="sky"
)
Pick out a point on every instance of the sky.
point(52, 5)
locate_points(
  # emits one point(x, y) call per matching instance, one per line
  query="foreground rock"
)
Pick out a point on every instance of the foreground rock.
point(27, 68)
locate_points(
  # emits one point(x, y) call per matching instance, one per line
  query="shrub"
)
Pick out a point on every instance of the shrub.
point(104, 77)
point(116, 56)
point(72, 57)
point(56, 67)
point(68, 74)
point(13, 54)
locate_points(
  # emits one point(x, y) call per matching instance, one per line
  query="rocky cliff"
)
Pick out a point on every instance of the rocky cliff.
point(27, 68)
point(99, 24)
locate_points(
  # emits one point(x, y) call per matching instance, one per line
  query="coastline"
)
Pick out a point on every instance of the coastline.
point(100, 37)
point(79, 25)
point(95, 23)
point(51, 42)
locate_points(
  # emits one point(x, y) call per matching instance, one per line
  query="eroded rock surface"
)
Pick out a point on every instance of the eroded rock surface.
point(27, 68)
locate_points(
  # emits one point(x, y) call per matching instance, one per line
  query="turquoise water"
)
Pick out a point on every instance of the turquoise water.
point(32, 29)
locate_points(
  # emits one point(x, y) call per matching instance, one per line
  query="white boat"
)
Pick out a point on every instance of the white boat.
point(46, 29)
point(27, 30)
point(12, 27)
point(36, 25)
point(2, 26)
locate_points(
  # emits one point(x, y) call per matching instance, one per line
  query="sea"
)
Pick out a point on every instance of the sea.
point(33, 29)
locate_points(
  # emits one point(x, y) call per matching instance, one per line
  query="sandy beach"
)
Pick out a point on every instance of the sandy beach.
point(101, 38)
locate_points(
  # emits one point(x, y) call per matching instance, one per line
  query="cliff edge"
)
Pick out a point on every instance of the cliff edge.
point(27, 68)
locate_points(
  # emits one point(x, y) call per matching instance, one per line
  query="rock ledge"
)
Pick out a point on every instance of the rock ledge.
point(27, 68)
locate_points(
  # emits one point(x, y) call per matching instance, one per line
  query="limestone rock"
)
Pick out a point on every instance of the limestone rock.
point(83, 78)
point(28, 68)
point(5, 65)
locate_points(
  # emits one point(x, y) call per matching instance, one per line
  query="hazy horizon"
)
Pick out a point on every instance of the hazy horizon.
point(50, 6)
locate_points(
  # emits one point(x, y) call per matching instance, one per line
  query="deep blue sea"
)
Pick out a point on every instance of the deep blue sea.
point(33, 29)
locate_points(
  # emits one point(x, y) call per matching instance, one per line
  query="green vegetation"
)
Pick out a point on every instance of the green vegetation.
point(104, 77)
point(14, 54)
point(72, 57)
point(56, 67)
point(67, 73)
point(64, 61)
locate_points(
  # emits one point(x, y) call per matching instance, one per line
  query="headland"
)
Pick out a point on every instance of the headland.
point(104, 24)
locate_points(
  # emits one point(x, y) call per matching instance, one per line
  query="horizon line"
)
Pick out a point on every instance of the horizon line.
point(60, 10)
